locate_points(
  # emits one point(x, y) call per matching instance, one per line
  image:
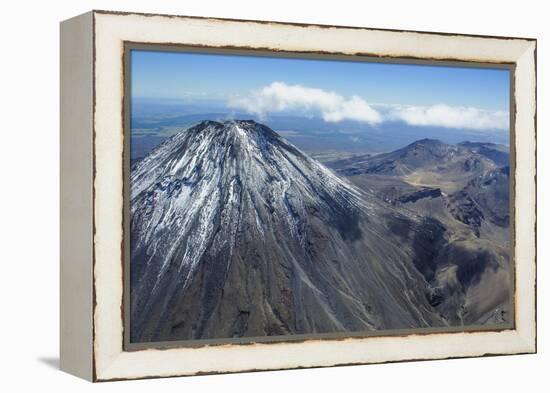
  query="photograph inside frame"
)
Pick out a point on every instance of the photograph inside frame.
point(280, 197)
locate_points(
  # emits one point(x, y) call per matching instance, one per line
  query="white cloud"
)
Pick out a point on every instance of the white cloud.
point(451, 117)
point(278, 96)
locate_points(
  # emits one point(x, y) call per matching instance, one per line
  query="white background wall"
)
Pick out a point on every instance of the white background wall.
point(29, 181)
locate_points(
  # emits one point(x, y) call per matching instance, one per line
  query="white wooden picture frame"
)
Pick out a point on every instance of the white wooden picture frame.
point(92, 194)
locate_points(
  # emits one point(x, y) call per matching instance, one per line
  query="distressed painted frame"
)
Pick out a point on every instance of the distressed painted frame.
point(92, 243)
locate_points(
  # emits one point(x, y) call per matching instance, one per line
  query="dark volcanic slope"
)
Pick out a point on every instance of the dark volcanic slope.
point(485, 197)
point(463, 193)
point(497, 153)
point(235, 232)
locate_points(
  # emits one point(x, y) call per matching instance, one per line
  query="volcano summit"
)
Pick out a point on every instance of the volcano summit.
point(234, 232)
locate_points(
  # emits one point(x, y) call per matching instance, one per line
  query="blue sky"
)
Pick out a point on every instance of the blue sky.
point(475, 98)
point(181, 75)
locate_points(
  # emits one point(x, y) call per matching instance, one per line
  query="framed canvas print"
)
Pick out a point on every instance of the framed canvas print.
point(246, 195)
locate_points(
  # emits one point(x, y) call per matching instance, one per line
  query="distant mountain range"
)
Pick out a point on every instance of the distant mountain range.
point(237, 233)
point(151, 125)
point(465, 189)
point(472, 177)
point(428, 156)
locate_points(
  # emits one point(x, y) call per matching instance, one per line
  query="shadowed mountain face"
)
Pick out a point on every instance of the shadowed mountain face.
point(485, 197)
point(497, 153)
point(463, 193)
point(235, 232)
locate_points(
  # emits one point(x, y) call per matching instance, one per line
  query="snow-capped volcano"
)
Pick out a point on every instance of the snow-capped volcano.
point(235, 232)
